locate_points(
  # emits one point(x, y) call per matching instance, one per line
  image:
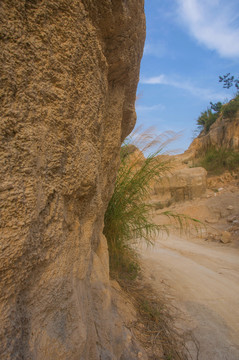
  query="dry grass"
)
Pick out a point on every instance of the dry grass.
point(155, 328)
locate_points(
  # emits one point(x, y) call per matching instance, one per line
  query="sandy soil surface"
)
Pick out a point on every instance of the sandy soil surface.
point(201, 278)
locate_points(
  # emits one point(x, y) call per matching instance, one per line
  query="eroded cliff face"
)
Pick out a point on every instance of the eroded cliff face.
point(179, 185)
point(223, 133)
point(69, 72)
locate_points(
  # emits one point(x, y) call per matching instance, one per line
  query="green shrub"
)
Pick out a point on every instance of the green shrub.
point(128, 216)
point(209, 116)
point(206, 119)
point(216, 161)
point(230, 109)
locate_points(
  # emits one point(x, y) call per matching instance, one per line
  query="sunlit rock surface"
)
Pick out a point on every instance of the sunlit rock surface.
point(69, 72)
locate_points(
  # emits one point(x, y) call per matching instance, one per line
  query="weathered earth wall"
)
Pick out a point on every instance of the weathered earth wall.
point(179, 185)
point(69, 72)
point(223, 133)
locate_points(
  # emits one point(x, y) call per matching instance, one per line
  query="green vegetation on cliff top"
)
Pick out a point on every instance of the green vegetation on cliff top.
point(227, 110)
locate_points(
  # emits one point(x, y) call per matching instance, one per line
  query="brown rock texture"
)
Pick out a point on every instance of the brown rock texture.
point(223, 133)
point(69, 72)
point(180, 185)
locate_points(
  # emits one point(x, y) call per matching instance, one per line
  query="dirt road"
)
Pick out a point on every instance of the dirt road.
point(202, 279)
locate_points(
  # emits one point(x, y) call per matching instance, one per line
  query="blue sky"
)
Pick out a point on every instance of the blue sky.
point(189, 43)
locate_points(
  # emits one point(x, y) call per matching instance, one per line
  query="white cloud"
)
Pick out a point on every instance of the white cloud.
point(150, 108)
point(214, 23)
point(184, 85)
point(161, 79)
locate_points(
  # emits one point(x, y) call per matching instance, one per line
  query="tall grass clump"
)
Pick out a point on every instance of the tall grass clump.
point(206, 119)
point(209, 116)
point(129, 213)
point(216, 161)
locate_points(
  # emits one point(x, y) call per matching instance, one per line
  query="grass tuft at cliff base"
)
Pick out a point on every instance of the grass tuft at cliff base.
point(128, 218)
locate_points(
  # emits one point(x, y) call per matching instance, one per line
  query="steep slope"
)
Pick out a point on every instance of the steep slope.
point(69, 71)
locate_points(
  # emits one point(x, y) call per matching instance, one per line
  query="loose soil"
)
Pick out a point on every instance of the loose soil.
point(200, 275)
